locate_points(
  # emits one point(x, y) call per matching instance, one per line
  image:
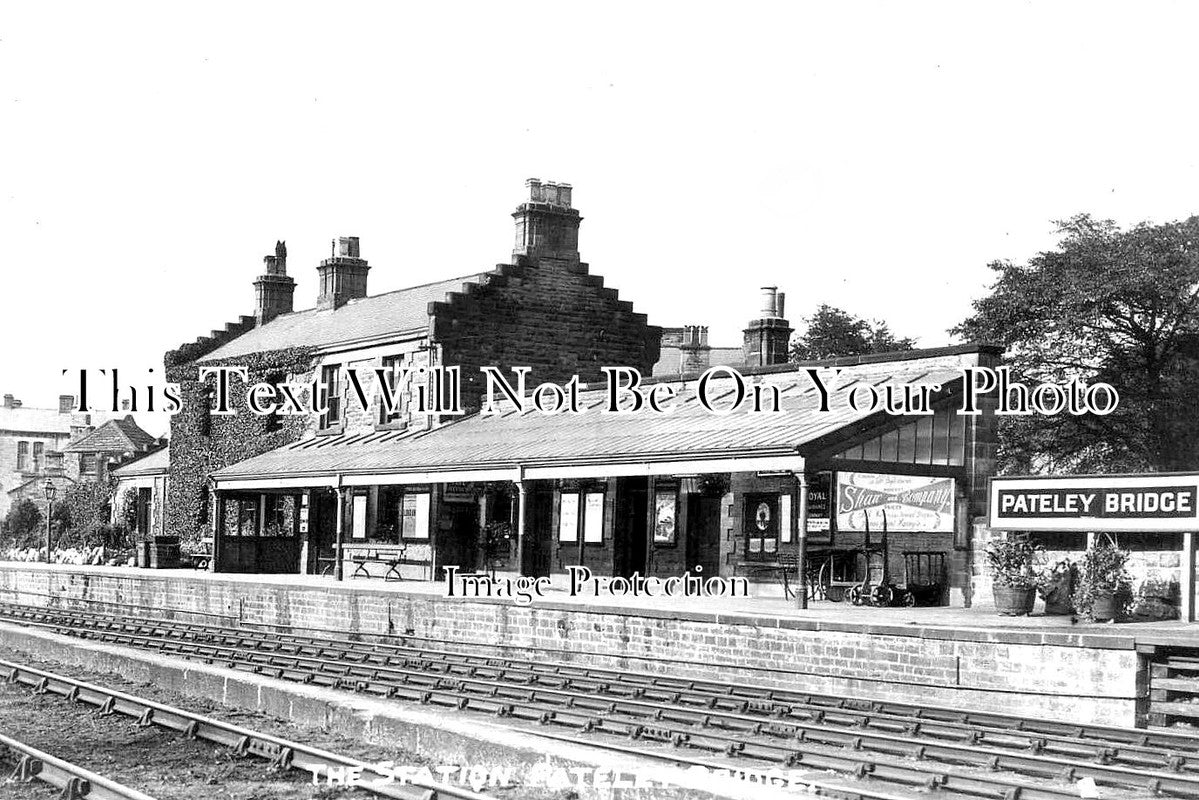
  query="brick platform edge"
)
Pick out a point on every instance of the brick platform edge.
point(1086, 678)
point(436, 736)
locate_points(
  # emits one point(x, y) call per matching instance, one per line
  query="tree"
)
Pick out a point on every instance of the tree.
point(23, 524)
point(1110, 305)
point(832, 332)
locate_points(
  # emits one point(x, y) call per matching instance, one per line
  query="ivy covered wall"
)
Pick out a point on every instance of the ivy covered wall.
point(202, 442)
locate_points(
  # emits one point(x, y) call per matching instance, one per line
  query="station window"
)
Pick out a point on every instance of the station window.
point(393, 367)
point(22, 456)
point(39, 449)
point(590, 523)
point(331, 380)
point(402, 514)
point(280, 518)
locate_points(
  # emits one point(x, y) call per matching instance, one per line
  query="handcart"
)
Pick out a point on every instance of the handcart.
point(924, 578)
point(875, 587)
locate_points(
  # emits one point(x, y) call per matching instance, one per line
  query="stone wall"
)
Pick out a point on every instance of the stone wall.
point(549, 314)
point(1064, 676)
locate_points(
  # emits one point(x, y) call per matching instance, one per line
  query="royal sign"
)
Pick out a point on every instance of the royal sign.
point(1134, 503)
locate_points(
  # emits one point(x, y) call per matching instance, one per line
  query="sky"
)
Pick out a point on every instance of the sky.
point(872, 156)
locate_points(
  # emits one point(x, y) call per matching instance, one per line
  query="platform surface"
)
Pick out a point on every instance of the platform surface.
point(979, 622)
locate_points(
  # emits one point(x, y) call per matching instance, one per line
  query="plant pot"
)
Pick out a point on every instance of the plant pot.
point(1105, 607)
point(1057, 600)
point(1014, 601)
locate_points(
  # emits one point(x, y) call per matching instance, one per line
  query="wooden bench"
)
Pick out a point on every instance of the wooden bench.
point(393, 558)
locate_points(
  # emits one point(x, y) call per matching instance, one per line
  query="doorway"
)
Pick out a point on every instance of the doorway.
point(703, 534)
point(631, 531)
point(538, 547)
point(458, 543)
point(322, 531)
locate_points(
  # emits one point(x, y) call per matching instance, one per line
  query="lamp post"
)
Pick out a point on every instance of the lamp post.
point(51, 490)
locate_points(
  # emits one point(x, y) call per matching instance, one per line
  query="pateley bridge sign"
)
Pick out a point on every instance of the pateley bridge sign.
point(1147, 503)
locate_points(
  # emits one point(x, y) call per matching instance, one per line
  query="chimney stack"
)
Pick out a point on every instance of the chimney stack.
point(66, 403)
point(11, 402)
point(343, 275)
point(274, 291)
point(767, 338)
point(546, 225)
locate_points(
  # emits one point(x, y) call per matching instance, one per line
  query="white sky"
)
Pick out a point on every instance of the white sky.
point(871, 156)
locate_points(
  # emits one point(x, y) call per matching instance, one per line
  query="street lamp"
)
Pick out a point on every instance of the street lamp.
point(51, 490)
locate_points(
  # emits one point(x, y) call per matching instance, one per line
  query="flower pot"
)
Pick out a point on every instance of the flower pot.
point(1014, 601)
point(1105, 607)
point(1057, 600)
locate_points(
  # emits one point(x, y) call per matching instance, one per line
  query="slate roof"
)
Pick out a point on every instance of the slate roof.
point(537, 440)
point(35, 420)
point(115, 436)
point(361, 319)
point(156, 463)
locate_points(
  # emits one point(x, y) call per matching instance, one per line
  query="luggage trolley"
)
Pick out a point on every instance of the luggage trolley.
point(924, 578)
point(874, 587)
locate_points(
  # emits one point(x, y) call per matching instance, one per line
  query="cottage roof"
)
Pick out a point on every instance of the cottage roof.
point(156, 463)
point(36, 420)
point(115, 436)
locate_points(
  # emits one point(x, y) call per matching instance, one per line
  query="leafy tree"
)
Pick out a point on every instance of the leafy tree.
point(832, 332)
point(1110, 305)
point(23, 524)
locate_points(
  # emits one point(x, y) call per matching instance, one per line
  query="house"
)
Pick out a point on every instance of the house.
point(543, 309)
point(28, 438)
point(94, 452)
point(144, 481)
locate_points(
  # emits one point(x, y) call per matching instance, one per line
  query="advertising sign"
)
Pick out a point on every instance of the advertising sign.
point(1134, 503)
point(911, 503)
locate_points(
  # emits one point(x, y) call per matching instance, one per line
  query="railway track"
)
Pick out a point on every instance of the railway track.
point(280, 753)
point(73, 781)
point(956, 753)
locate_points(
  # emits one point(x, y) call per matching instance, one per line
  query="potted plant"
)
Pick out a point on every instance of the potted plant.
point(1055, 584)
point(1014, 580)
point(1104, 583)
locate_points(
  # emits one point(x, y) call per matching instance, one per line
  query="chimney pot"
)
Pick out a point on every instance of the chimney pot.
point(66, 403)
point(770, 302)
point(10, 401)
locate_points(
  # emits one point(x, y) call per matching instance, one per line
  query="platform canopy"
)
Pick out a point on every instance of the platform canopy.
point(533, 445)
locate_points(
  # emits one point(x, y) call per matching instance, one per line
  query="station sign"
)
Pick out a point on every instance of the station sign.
point(1159, 503)
point(907, 503)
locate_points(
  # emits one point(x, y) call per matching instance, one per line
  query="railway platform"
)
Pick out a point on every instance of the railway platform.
point(961, 657)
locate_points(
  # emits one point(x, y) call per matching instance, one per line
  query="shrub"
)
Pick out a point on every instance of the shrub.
point(1011, 562)
point(1104, 572)
point(23, 525)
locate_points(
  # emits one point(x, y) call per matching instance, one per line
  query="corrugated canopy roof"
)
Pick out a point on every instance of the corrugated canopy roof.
point(534, 440)
point(358, 320)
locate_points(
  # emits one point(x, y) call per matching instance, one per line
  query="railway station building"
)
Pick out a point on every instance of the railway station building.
point(640, 493)
point(397, 493)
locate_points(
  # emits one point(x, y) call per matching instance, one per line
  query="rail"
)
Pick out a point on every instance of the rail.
point(893, 743)
point(282, 753)
point(74, 781)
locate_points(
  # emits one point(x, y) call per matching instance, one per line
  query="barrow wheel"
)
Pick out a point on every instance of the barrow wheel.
point(882, 595)
point(909, 599)
point(854, 594)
